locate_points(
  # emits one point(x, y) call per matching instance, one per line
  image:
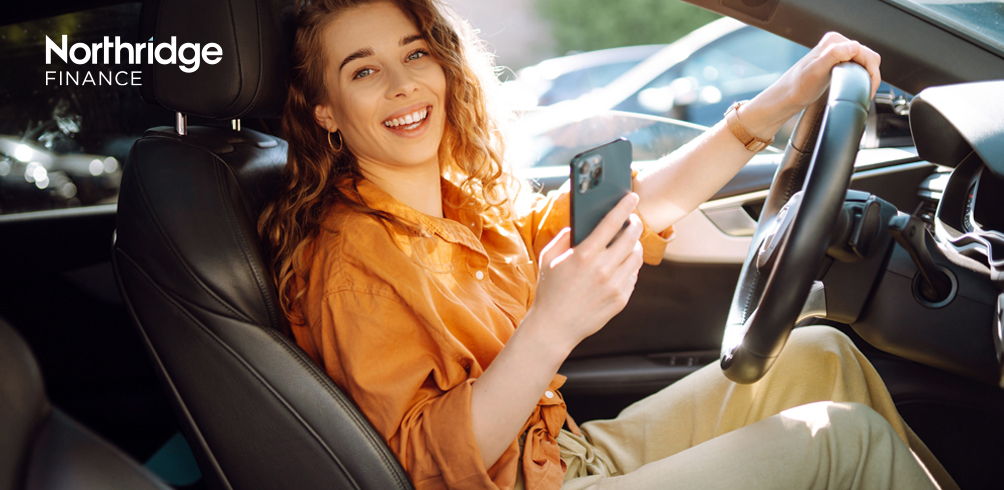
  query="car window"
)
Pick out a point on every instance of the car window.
point(573, 84)
point(979, 21)
point(734, 67)
point(66, 129)
point(748, 59)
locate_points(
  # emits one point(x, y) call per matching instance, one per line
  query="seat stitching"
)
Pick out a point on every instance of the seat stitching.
point(231, 217)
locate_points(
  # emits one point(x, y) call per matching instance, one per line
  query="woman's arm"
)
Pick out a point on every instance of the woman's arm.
point(578, 291)
point(506, 393)
point(691, 175)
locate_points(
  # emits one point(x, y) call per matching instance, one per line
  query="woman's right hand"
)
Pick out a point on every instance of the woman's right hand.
point(579, 289)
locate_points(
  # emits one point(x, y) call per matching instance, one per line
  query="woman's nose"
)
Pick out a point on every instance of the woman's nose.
point(400, 82)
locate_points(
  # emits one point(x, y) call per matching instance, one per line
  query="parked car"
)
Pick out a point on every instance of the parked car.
point(568, 77)
point(696, 78)
point(699, 76)
point(940, 360)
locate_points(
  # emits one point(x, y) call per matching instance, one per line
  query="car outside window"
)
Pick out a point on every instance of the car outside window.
point(64, 140)
point(571, 85)
point(735, 67)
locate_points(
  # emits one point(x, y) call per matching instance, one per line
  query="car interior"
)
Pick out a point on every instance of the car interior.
point(156, 314)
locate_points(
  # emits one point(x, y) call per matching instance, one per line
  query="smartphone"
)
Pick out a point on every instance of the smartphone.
point(600, 178)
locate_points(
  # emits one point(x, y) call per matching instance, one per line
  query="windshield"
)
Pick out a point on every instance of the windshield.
point(979, 21)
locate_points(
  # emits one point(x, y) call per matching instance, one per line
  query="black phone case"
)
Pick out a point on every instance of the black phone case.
point(591, 206)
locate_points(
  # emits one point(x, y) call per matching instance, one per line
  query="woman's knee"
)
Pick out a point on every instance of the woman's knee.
point(856, 445)
point(855, 423)
point(851, 416)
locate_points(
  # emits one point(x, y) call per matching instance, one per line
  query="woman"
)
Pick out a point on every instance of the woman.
point(405, 265)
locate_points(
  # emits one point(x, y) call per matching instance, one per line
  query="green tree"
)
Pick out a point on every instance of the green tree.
point(585, 25)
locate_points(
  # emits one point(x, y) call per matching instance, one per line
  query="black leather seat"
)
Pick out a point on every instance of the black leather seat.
point(256, 411)
point(41, 448)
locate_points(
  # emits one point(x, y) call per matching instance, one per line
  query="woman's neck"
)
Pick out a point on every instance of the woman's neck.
point(416, 186)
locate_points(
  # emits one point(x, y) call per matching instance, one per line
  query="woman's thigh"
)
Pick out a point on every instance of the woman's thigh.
point(817, 364)
point(820, 445)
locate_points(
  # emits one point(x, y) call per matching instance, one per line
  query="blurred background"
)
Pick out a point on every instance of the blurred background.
point(578, 73)
point(526, 32)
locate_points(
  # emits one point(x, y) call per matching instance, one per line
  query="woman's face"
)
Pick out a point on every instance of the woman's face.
point(386, 94)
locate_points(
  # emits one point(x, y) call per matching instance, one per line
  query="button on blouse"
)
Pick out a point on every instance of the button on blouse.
point(402, 325)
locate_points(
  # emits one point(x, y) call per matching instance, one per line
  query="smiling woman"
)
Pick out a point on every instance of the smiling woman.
point(405, 267)
point(387, 99)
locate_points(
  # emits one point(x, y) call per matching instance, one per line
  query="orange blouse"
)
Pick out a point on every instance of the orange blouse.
point(405, 325)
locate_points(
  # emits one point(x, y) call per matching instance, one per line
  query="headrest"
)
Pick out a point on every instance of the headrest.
point(248, 77)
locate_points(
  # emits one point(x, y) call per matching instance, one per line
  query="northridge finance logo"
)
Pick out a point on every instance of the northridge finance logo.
point(189, 56)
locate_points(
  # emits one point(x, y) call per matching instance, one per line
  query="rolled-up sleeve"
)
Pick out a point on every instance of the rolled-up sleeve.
point(549, 214)
point(395, 369)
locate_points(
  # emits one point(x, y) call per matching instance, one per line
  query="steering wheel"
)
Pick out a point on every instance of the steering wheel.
point(793, 231)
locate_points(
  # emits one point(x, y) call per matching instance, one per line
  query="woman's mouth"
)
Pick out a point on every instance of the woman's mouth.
point(409, 122)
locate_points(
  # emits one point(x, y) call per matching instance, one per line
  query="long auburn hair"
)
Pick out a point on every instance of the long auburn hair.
point(471, 151)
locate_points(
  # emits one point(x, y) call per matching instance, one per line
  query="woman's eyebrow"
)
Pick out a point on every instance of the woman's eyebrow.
point(364, 52)
point(361, 53)
point(410, 39)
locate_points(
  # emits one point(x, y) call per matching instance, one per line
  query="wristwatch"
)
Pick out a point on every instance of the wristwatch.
point(752, 143)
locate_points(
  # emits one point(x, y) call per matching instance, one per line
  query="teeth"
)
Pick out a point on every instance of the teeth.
point(410, 119)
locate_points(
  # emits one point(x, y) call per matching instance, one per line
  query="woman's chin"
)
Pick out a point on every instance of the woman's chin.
point(413, 152)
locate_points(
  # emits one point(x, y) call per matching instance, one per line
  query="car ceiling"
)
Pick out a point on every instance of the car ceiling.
point(916, 54)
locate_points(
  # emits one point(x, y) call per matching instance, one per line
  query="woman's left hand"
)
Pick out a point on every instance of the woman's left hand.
point(805, 82)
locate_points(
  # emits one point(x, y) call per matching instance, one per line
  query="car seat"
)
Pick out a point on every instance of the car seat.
point(42, 448)
point(257, 412)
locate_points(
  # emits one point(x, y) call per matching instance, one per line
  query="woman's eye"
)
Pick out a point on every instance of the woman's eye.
point(365, 72)
point(417, 54)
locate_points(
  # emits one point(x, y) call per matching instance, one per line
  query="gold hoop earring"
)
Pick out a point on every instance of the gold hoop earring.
point(340, 143)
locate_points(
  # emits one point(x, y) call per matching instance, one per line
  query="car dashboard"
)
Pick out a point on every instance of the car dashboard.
point(963, 206)
point(956, 126)
point(970, 217)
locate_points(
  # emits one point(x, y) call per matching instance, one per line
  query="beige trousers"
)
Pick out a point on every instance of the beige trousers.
point(821, 418)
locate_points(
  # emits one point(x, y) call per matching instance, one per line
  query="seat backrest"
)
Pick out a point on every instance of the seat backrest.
point(257, 412)
point(41, 448)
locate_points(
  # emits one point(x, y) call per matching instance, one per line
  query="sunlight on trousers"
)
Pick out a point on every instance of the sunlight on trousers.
point(821, 418)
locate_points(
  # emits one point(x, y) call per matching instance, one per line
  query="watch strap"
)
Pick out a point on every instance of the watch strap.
point(751, 142)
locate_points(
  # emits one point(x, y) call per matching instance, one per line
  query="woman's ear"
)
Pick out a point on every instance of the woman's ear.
point(323, 116)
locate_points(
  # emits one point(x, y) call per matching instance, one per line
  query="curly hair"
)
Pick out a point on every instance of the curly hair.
point(470, 152)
